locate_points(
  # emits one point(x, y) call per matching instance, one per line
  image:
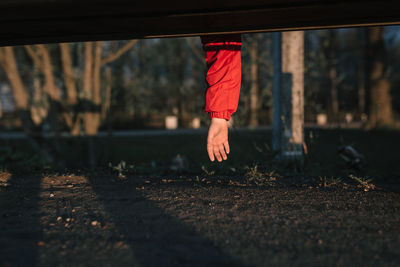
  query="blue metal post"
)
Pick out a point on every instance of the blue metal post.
point(276, 93)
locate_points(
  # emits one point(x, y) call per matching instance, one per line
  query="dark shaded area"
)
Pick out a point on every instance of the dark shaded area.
point(153, 154)
point(42, 21)
point(20, 229)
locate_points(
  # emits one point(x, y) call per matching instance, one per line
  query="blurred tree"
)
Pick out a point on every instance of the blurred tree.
point(255, 102)
point(175, 61)
point(54, 96)
point(362, 72)
point(254, 87)
point(333, 101)
point(380, 110)
point(392, 41)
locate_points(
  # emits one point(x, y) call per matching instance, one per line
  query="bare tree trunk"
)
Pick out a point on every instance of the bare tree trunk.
point(96, 73)
point(42, 60)
point(9, 64)
point(53, 92)
point(92, 81)
point(380, 99)
point(50, 84)
point(21, 98)
point(96, 92)
point(90, 125)
point(39, 107)
point(90, 122)
point(69, 77)
point(107, 103)
point(72, 119)
point(254, 90)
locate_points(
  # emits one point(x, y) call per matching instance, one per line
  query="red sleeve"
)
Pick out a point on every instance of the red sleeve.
point(223, 75)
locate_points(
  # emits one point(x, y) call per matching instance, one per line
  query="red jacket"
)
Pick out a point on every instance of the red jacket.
point(223, 75)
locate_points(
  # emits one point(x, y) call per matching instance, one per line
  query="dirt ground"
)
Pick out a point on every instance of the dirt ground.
point(102, 220)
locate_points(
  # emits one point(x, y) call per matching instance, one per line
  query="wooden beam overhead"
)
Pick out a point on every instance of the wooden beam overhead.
point(51, 21)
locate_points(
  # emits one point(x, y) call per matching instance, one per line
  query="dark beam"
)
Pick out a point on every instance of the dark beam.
point(44, 21)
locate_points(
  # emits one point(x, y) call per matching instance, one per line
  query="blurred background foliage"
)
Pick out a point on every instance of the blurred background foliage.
point(159, 77)
point(83, 88)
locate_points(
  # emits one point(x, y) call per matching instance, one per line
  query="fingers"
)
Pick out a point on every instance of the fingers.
point(226, 145)
point(222, 152)
point(210, 152)
point(218, 151)
point(217, 141)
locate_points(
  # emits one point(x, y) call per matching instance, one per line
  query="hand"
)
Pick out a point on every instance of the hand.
point(217, 140)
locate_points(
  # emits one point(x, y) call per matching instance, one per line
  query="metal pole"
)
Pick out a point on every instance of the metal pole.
point(276, 93)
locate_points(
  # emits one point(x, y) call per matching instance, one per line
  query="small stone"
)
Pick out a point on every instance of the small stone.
point(59, 218)
point(94, 223)
point(51, 195)
point(68, 219)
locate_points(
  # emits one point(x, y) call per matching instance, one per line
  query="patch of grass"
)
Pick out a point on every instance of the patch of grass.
point(208, 173)
point(122, 169)
point(260, 178)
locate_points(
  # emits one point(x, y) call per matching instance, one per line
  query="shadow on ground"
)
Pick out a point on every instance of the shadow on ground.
point(156, 238)
point(20, 229)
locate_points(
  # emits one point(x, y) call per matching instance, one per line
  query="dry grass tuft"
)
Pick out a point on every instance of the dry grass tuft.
point(363, 183)
point(254, 176)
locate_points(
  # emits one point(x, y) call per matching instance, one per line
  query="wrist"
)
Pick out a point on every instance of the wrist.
point(218, 120)
point(220, 115)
